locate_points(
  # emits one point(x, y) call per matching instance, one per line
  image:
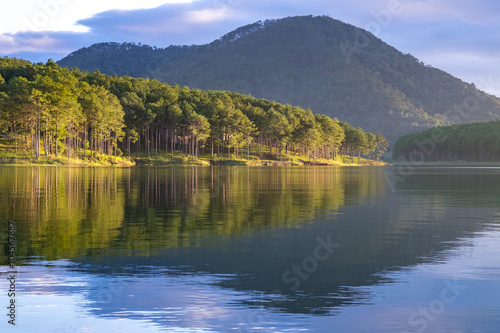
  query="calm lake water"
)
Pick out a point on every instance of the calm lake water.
point(237, 249)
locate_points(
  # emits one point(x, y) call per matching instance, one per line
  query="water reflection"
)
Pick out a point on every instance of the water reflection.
point(65, 212)
point(194, 248)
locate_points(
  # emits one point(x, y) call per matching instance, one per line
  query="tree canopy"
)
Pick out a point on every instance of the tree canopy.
point(68, 112)
point(475, 142)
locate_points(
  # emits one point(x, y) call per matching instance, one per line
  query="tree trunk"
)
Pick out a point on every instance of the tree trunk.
point(57, 139)
point(197, 148)
point(15, 136)
point(128, 145)
point(45, 143)
point(69, 140)
point(172, 143)
point(166, 140)
point(37, 148)
point(137, 144)
point(157, 139)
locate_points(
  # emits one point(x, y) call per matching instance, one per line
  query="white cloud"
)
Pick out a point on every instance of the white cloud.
point(207, 15)
point(62, 15)
point(8, 44)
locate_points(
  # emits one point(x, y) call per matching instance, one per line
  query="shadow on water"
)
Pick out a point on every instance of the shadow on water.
point(299, 239)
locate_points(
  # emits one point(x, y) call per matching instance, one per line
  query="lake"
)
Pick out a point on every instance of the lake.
point(250, 249)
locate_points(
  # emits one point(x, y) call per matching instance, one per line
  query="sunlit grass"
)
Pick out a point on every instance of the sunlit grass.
point(264, 156)
point(23, 156)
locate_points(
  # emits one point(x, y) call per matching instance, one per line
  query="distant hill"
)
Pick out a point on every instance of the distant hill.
point(474, 142)
point(318, 62)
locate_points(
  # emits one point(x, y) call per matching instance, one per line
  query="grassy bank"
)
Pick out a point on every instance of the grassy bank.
point(253, 160)
point(101, 160)
point(8, 155)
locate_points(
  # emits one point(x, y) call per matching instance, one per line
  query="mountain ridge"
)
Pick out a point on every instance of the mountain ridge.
point(320, 63)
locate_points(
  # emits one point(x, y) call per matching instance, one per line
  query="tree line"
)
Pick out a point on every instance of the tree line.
point(474, 142)
point(75, 113)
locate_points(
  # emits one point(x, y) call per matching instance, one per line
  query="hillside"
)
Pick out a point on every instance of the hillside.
point(475, 142)
point(317, 62)
point(130, 59)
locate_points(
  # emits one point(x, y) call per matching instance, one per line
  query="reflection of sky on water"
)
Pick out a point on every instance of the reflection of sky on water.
point(73, 301)
point(60, 297)
point(472, 267)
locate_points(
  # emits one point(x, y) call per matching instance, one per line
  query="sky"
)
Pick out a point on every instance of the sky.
point(461, 37)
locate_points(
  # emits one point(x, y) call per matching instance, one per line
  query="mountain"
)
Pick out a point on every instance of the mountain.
point(318, 62)
point(130, 59)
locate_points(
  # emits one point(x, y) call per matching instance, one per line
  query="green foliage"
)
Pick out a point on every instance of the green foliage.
point(54, 105)
point(140, 59)
point(70, 112)
point(475, 142)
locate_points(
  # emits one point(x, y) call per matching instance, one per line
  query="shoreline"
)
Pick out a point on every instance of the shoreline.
point(446, 164)
point(10, 155)
point(176, 161)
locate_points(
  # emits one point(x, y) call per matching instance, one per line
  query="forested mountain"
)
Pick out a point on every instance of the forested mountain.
point(313, 62)
point(130, 59)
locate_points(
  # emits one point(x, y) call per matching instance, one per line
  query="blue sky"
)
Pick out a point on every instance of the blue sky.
point(461, 37)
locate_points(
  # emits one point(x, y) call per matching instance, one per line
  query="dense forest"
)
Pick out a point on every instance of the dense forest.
point(475, 142)
point(53, 110)
point(312, 62)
